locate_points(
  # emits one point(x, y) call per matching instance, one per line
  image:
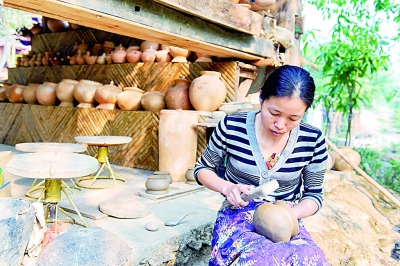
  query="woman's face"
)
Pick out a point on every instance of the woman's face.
point(280, 115)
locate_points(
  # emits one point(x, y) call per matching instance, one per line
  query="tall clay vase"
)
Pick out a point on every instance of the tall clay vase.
point(84, 92)
point(107, 96)
point(29, 93)
point(153, 101)
point(65, 92)
point(341, 164)
point(177, 97)
point(129, 99)
point(14, 93)
point(46, 93)
point(207, 92)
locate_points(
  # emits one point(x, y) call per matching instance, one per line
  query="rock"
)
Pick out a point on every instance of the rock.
point(152, 226)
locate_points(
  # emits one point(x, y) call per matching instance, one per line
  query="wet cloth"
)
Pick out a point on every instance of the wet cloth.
point(235, 243)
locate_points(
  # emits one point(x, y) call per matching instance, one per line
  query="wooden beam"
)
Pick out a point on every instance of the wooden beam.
point(222, 12)
point(148, 20)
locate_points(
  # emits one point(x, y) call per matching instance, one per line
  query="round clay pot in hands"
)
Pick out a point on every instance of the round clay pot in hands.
point(291, 215)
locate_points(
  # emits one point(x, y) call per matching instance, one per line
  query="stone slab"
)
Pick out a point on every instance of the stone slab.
point(176, 189)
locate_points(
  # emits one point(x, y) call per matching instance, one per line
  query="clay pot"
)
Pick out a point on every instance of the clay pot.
point(119, 54)
point(101, 59)
point(97, 47)
point(107, 96)
point(3, 91)
point(72, 60)
point(274, 222)
point(163, 56)
point(147, 44)
point(46, 57)
point(38, 61)
point(133, 48)
point(109, 58)
point(80, 59)
point(157, 184)
point(56, 25)
point(164, 173)
point(177, 97)
point(133, 56)
point(341, 164)
point(83, 47)
point(84, 92)
point(207, 92)
point(74, 26)
point(90, 59)
point(36, 29)
point(29, 93)
point(179, 54)
point(153, 101)
point(189, 175)
point(291, 215)
point(14, 93)
point(65, 92)
point(46, 93)
point(129, 99)
point(108, 47)
point(203, 58)
point(149, 55)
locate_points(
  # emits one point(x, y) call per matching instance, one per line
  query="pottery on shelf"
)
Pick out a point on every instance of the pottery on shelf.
point(56, 25)
point(129, 99)
point(65, 92)
point(80, 58)
point(147, 44)
point(107, 96)
point(341, 164)
point(46, 93)
point(101, 59)
point(157, 185)
point(149, 55)
point(177, 97)
point(133, 48)
point(97, 48)
point(164, 173)
point(109, 58)
point(108, 47)
point(189, 175)
point(84, 92)
point(119, 54)
point(133, 56)
point(39, 58)
point(14, 93)
point(153, 101)
point(179, 54)
point(29, 93)
point(3, 91)
point(83, 47)
point(207, 92)
point(90, 59)
point(163, 56)
point(203, 58)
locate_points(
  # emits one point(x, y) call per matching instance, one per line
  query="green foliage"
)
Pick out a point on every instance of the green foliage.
point(12, 19)
point(383, 165)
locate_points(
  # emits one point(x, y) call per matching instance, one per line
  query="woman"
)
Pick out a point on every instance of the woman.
point(257, 147)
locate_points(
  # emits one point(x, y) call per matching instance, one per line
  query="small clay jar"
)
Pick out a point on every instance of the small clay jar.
point(3, 91)
point(203, 58)
point(29, 93)
point(72, 60)
point(149, 55)
point(84, 92)
point(133, 56)
point(129, 99)
point(177, 97)
point(46, 93)
point(90, 59)
point(38, 61)
point(189, 175)
point(14, 93)
point(65, 92)
point(97, 48)
point(163, 56)
point(108, 47)
point(119, 55)
point(56, 25)
point(147, 44)
point(157, 185)
point(83, 47)
point(164, 173)
point(109, 58)
point(101, 59)
point(153, 101)
point(80, 59)
point(179, 54)
point(107, 96)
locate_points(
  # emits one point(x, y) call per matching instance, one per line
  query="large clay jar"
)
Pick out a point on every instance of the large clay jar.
point(14, 93)
point(207, 92)
point(133, 56)
point(179, 54)
point(273, 222)
point(65, 92)
point(129, 99)
point(177, 97)
point(153, 101)
point(29, 93)
point(341, 164)
point(46, 93)
point(177, 142)
point(149, 55)
point(57, 25)
point(147, 44)
point(157, 184)
point(107, 96)
point(84, 92)
point(119, 54)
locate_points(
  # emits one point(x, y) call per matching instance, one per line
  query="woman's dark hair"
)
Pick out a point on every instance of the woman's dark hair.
point(288, 81)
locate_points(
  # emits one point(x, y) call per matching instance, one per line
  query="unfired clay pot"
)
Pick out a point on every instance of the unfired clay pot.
point(129, 99)
point(157, 184)
point(3, 91)
point(177, 97)
point(84, 92)
point(147, 44)
point(275, 221)
point(153, 101)
point(46, 93)
point(189, 175)
point(207, 92)
point(14, 93)
point(57, 25)
point(179, 54)
point(164, 173)
point(65, 92)
point(119, 54)
point(341, 164)
point(107, 96)
point(133, 56)
point(29, 93)
point(149, 55)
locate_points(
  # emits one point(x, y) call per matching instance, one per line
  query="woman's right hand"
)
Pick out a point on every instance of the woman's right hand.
point(232, 193)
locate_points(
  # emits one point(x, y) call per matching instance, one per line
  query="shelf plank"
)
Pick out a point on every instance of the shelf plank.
point(222, 12)
point(148, 20)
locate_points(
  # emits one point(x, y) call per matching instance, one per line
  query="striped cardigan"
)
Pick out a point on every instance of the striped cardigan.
point(299, 171)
